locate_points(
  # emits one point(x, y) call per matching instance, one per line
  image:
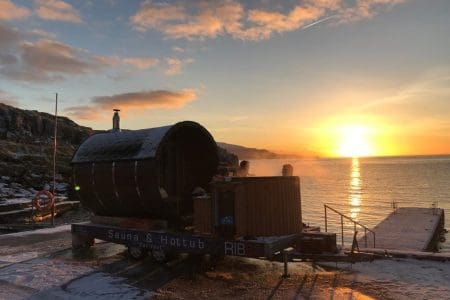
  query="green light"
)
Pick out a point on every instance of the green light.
point(77, 188)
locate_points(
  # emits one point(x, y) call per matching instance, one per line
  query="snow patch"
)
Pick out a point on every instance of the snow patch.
point(19, 257)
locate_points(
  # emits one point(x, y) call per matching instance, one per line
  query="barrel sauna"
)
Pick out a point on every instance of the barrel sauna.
point(145, 173)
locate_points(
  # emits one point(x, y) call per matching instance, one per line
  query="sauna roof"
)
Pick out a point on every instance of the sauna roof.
point(129, 145)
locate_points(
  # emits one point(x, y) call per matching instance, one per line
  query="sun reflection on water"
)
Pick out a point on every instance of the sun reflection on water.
point(355, 189)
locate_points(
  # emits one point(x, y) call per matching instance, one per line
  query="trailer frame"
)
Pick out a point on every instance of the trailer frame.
point(83, 235)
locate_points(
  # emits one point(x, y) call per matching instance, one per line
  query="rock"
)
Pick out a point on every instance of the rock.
point(26, 146)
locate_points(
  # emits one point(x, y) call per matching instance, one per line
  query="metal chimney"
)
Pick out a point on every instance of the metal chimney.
point(116, 120)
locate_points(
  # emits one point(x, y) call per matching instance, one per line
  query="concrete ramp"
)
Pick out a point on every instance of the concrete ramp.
point(409, 228)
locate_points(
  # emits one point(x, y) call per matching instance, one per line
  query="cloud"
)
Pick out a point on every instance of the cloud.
point(142, 63)
point(413, 99)
point(152, 15)
point(174, 65)
point(210, 19)
point(213, 19)
point(153, 99)
point(8, 36)
point(83, 112)
point(177, 49)
point(25, 58)
point(268, 22)
point(42, 33)
point(366, 9)
point(48, 60)
point(10, 11)
point(57, 10)
point(35, 57)
point(147, 99)
point(53, 56)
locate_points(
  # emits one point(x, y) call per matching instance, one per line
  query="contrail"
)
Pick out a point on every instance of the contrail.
point(318, 22)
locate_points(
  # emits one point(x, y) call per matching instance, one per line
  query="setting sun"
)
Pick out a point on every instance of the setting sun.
point(355, 142)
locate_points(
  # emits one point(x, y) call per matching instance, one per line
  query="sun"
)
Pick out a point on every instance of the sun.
point(354, 141)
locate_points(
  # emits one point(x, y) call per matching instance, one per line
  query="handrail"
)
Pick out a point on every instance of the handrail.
point(342, 225)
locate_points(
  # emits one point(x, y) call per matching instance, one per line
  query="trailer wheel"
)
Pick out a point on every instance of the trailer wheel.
point(162, 255)
point(137, 252)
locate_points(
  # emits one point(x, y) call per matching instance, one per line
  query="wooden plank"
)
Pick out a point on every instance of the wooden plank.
point(60, 207)
point(203, 215)
point(273, 206)
point(408, 228)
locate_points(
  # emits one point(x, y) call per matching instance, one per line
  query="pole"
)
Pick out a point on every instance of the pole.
point(54, 160)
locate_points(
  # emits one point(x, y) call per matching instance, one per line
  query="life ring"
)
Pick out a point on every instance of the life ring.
point(37, 200)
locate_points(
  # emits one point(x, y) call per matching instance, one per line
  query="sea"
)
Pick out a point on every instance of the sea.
point(365, 189)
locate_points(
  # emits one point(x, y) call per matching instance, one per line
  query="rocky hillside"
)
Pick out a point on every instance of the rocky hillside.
point(249, 153)
point(26, 145)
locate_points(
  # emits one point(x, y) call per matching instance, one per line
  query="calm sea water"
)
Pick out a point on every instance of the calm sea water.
point(365, 188)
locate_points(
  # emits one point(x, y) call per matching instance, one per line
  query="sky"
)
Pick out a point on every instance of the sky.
point(324, 77)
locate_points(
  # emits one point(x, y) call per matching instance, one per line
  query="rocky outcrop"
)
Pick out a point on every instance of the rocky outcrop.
point(26, 126)
point(26, 145)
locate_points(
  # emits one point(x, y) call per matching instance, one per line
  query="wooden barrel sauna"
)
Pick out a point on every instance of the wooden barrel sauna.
point(144, 173)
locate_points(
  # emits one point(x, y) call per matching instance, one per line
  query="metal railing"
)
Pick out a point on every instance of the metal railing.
point(366, 229)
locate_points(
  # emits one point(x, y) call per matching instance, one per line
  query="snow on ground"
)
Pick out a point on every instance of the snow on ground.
point(41, 265)
point(18, 257)
point(403, 278)
point(51, 230)
point(42, 273)
point(95, 286)
point(15, 193)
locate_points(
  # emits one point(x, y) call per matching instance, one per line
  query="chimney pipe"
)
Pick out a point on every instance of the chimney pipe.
point(116, 120)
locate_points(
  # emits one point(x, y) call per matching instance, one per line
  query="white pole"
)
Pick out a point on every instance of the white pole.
point(54, 160)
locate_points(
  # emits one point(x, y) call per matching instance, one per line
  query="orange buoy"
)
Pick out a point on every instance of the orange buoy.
point(37, 200)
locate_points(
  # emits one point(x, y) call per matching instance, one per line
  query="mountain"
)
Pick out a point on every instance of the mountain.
point(250, 153)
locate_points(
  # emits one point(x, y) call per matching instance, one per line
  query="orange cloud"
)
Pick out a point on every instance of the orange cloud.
point(174, 65)
point(268, 22)
point(211, 19)
point(147, 99)
point(152, 15)
point(10, 11)
point(141, 62)
point(154, 99)
point(365, 9)
point(84, 112)
point(57, 10)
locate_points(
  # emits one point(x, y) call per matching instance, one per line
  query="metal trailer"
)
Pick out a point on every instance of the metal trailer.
point(165, 244)
point(162, 243)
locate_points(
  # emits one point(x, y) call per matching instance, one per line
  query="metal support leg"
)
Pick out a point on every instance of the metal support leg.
point(286, 253)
